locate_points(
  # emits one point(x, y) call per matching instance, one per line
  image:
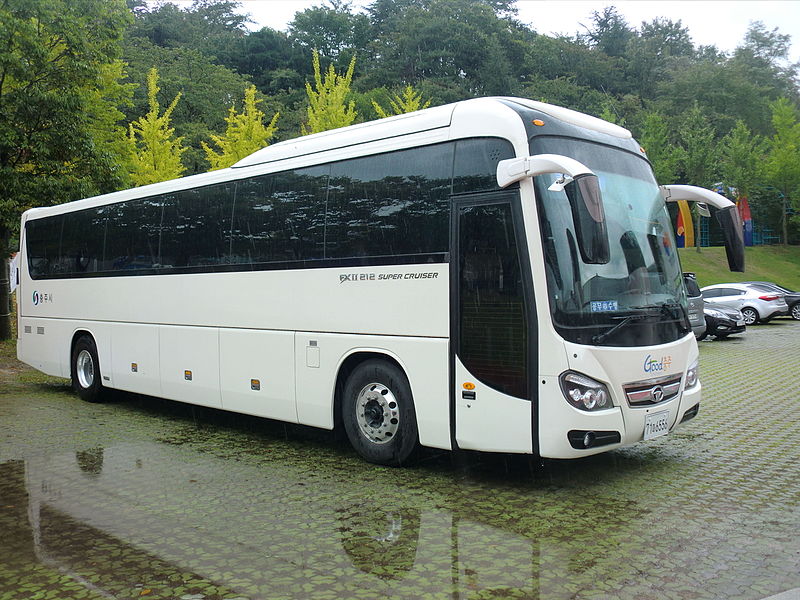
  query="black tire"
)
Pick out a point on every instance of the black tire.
point(85, 370)
point(703, 335)
point(378, 413)
point(750, 316)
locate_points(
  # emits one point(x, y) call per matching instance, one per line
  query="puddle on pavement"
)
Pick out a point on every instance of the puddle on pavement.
point(158, 521)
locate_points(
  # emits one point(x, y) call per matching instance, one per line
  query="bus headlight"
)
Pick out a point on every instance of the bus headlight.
point(583, 392)
point(692, 374)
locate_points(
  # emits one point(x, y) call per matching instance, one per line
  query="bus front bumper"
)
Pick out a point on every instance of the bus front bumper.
point(566, 432)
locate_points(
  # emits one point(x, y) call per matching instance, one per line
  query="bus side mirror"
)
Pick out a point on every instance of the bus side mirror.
point(727, 216)
point(731, 223)
point(589, 218)
point(583, 192)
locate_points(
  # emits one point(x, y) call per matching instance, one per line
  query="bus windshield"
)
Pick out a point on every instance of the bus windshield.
point(634, 298)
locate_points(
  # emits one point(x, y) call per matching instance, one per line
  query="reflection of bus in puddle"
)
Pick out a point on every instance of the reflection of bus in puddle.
point(134, 520)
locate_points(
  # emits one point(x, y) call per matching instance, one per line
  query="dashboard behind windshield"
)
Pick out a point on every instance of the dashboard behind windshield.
point(637, 296)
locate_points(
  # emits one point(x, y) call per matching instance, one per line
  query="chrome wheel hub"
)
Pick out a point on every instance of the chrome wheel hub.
point(377, 413)
point(85, 369)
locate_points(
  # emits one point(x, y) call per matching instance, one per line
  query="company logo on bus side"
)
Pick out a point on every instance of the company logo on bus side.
point(41, 298)
point(651, 365)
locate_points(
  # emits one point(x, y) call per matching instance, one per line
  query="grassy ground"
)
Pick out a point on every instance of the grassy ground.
point(780, 264)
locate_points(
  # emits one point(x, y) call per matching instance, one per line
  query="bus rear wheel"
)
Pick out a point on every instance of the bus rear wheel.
point(86, 370)
point(378, 413)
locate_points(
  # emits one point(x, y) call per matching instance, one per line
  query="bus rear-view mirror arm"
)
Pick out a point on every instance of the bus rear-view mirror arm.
point(727, 215)
point(516, 169)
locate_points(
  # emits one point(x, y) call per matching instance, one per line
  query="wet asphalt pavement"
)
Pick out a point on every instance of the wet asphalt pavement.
point(143, 498)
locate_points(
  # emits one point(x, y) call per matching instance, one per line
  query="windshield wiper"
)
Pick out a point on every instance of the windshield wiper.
point(600, 338)
point(671, 310)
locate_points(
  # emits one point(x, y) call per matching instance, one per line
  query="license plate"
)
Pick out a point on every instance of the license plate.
point(740, 323)
point(656, 424)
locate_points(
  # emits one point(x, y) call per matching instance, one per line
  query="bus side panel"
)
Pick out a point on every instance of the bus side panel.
point(257, 373)
point(41, 344)
point(424, 360)
point(135, 358)
point(190, 364)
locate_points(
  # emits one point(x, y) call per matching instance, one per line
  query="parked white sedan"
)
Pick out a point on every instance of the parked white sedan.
point(756, 305)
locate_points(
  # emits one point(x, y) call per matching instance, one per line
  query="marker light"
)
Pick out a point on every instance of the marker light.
point(538, 122)
point(584, 393)
point(469, 386)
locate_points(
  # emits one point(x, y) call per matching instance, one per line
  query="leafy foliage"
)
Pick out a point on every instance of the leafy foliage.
point(328, 107)
point(155, 151)
point(409, 101)
point(783, 158)
point(245, 133)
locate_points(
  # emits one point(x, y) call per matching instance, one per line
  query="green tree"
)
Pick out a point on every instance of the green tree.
point(211, 27)
point(245, 133)
point(741, 156)
point(783, 160)
point(208, 90)
point(665, 156)
point(155, 152)
point(328, 107)
point(610, 32)
point(651, 54)
point(455, 44)
point(332, 30)
point(53, 54)
point(409, 101)
point(104, 104)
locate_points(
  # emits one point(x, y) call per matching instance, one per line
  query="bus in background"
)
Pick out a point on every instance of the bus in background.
point(496, 274)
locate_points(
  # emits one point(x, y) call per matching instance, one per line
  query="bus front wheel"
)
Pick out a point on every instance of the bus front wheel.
point(378, 413)
point(86, 370)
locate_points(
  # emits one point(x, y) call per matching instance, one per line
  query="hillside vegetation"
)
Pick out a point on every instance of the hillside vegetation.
point(780, 264)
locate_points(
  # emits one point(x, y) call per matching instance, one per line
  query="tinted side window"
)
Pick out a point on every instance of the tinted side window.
point(195, 228)
point(493, 321)
point(390, 204)
point(132, 235)
point(82, 241)
point(43, 240)
point(475, 165)
point(280, 217)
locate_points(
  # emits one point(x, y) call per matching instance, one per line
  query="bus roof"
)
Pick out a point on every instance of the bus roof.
point(416, 122)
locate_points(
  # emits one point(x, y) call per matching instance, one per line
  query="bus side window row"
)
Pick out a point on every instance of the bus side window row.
point(383, 205)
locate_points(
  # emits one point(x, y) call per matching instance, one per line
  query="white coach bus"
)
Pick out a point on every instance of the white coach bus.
point(496, 274)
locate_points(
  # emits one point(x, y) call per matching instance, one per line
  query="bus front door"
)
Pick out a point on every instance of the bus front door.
point(491, 324)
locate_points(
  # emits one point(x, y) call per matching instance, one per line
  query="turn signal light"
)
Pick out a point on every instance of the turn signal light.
point(469, 386)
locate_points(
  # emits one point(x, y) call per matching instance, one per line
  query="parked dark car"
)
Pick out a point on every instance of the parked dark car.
point(792, 298)
point(722, 321)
